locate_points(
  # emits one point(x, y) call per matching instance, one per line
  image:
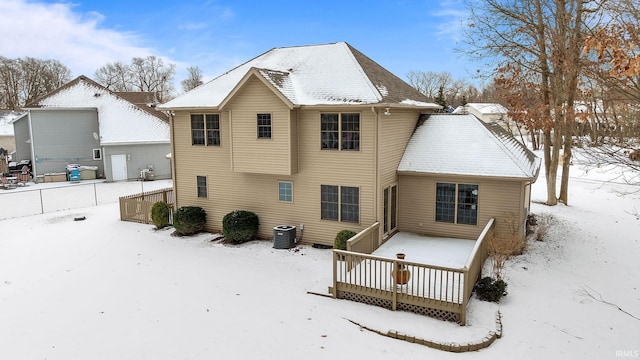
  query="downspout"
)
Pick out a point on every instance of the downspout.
point(231, 140)
point(173, 157)
point(376, 198)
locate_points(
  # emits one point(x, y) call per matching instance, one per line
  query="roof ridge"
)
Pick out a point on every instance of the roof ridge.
point(493, 133)
point(361, 70)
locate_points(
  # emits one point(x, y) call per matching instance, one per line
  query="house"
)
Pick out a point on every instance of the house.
point(82, 122)
point(323, 138)
point(490, 113)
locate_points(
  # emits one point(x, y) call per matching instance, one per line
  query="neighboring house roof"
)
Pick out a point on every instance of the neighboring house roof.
point(329, 74)
point(6, 121)
point(465, 145)
point(120, 121)
point(147, 101)
point(483, 109)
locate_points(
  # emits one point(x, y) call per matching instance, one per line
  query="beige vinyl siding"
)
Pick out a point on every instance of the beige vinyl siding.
point(394, 134)
point(396, 130)
point(251, 154)
point(228, 190)
point(495, 199)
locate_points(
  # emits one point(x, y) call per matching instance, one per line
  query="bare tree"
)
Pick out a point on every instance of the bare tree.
point(114, 76)
point(193, 80)
point(453, 90)
point(614, 88)
point(24, 80)
point(543, 39)
point(148, 74)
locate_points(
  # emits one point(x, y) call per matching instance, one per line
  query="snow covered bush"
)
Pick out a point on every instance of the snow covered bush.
point(189, 220)
point(240, 226)
point(160, 212)
point(341, 239)
point(489, 289)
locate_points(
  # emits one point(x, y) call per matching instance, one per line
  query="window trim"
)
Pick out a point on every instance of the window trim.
point(97, 151)
point(200, 186)
point(336, 136)
point(259, 134)
point(204, 131)
point(280, 195)
point(457, 216)
point(340, 206)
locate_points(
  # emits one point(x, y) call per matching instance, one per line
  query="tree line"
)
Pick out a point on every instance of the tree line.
point(569, 69)
point(24, 80)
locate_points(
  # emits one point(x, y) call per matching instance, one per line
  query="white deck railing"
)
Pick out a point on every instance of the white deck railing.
point(360, 275)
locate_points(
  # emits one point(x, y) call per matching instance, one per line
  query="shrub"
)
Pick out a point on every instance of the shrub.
point(160, 214)
point(240, 226)
point(189, 220)
point(489, 289)
point(342, 236)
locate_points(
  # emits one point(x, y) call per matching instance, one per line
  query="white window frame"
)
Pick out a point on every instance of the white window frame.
point(282, 197)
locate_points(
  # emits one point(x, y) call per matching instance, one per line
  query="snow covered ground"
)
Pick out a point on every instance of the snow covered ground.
point(106, 289)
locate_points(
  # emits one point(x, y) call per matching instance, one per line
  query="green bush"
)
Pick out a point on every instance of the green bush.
point(189, 220)
point(489, 289)
point(342, 236)
point(240, 226)
point(160, 214)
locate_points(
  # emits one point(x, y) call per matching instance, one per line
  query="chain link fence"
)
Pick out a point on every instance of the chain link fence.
point(34, 199)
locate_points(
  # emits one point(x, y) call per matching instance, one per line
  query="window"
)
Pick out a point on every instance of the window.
point(97, 154)
point(285, 191)
point(390, 208)
point(329, 131)
point(340, 203)
point(264, 126)
point(350, 204)
point(205, 129)
point(213, 129)
point(197, 129)
point(329, 202)
point(201, 184)
point(457, 203)
point(350, 131)
point(340, 131)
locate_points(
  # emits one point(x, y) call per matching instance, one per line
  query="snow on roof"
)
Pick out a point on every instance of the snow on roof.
point(120, 121)
point(6, 121)
point(326, 74)
point(464, 145)
point(488, 108)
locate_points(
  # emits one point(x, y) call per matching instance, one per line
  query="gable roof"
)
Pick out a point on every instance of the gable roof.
point(465, 145)
point(329, 74)
point(120, 121)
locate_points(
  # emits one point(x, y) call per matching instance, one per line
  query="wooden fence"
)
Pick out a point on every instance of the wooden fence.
point(436, 291)
point(137, 208)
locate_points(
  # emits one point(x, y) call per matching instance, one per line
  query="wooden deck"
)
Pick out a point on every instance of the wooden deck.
point(443, 272)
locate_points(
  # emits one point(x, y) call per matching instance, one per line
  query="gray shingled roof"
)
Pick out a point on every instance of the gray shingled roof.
point(465, 145)
point(328, 74)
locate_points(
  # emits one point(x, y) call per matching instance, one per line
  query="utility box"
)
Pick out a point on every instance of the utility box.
point(146, 175)
point(284, 237)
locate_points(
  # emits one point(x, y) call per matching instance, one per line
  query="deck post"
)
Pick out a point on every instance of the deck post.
point(465, 299)
point(335, 275)
point(394, 286)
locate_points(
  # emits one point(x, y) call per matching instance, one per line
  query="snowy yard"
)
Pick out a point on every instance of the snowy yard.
point(106, 289)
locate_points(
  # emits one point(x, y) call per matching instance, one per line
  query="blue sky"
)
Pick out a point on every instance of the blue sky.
point(401, 35)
